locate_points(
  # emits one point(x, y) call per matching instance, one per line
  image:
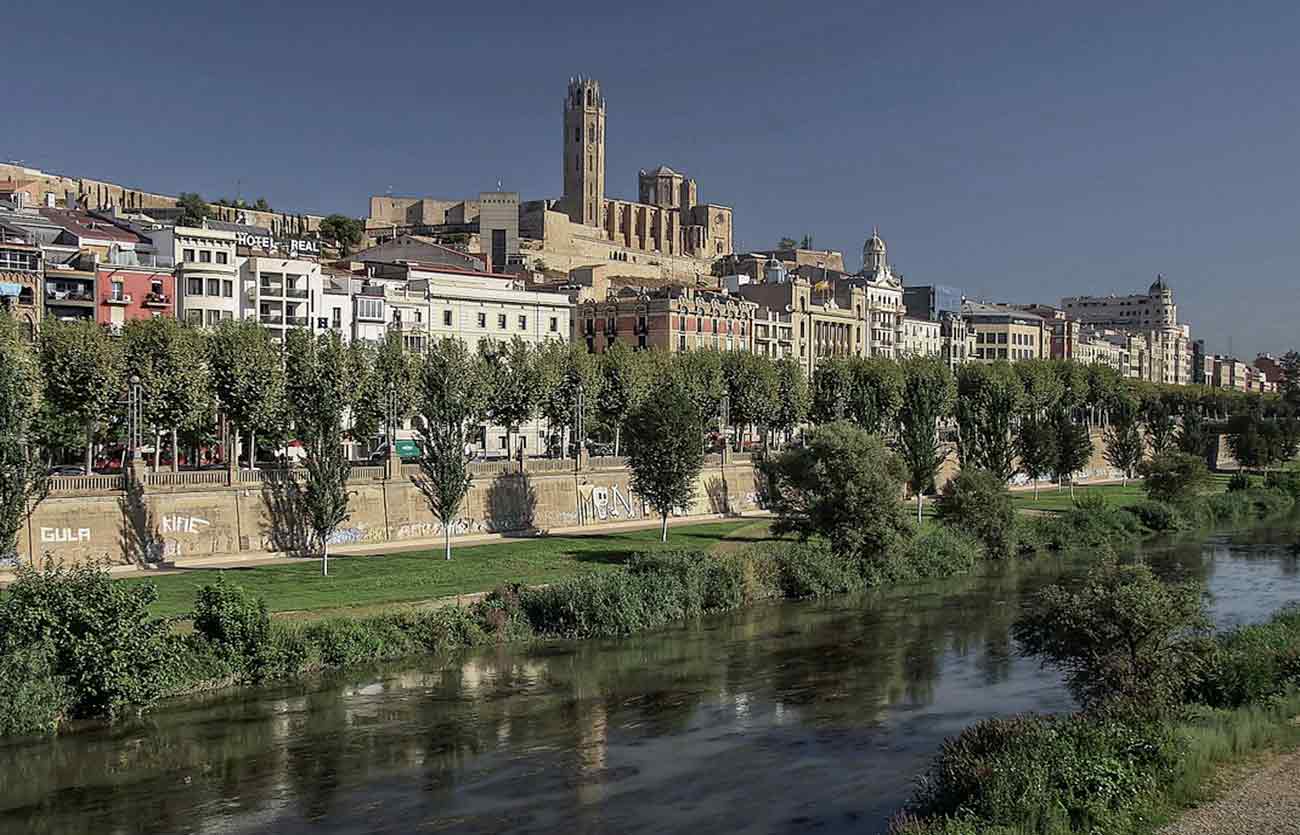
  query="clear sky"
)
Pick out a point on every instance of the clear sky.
point(1017, 150)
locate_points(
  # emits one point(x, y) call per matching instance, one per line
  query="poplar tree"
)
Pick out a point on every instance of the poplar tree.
point(22, 476)
point(666, 452)
point(926, 398)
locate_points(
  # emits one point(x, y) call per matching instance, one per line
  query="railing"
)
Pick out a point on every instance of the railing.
point(500, 466)
point(270, 319)
point(367, 473)
point(159, 299)
point(86, 483)
point(119, 298)
point(607, 462)
point(713, 459)
point(295, 321)
point(548, 465)
point(742, 458)
point(128, 258)
point(295, 293)
point(185, 478)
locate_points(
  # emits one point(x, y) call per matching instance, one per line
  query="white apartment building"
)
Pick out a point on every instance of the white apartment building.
point(920, 338)
point(207, 272)
point(283, 293)
point(884, 292)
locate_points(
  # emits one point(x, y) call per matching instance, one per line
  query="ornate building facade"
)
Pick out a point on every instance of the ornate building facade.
point(1166, 355)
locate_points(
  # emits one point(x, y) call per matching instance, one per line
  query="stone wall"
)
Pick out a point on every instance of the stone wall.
point(135, 527)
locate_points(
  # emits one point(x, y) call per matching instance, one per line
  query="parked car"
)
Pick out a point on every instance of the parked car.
point(67, 469)
point(599, 448)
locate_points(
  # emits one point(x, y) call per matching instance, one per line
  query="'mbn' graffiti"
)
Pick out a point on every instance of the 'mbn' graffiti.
point(602, 503)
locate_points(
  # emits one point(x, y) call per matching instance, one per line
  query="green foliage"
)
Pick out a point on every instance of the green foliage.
point(237, 626)
point(1239, 480)
point(793, 397)
point(343, 231)
point(977, 502)
point(1072, 446)
point(1036, 773)
point(1159, 517)
point(566, 369)
point(81, 367)
point(843, 484)
point(1036, 447)
point(1174, 477)
point(34, 696)
point(194, 209)
point(1287, 481)
point(1125, 446)
point(624, 384)
point(513, 389)
point(750, 381)
point(667, 451)
point(927, 396)
point(988, 398)
point(247, 376)
point(1161, 422)
point(936, 551)
point(1250, 664)
point(109, 652)
point(875, 392)
point(22, 474)
point(1120, 636)
point(388, 387)
point(699, 374)
point(1258, 441)
point(832, 383)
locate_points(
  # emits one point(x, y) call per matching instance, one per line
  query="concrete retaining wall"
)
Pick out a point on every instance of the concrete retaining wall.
point(137, 527)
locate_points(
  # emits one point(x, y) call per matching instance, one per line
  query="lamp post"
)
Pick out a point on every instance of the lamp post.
point(135, 416)
point(578, 427)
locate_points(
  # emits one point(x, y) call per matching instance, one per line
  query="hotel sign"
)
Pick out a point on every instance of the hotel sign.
point(293, 246)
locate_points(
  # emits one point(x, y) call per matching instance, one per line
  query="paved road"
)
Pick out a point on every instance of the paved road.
point(1266, 804)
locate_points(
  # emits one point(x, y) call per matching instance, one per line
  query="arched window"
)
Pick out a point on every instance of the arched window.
point(591, 99)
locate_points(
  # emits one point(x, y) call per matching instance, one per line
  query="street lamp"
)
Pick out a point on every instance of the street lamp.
point(135, 416)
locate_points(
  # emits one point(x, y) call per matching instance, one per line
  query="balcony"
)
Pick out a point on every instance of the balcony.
point(118, 298)
point(274, 290)
point(295, 293)
point(295, 321)
point(157, 300)
point(75, 298)
point(271, 319)
point(128, 258)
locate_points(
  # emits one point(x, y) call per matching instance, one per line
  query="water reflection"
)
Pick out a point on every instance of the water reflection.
point(780, 718)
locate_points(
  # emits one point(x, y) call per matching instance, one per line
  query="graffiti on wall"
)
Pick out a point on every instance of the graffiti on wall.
point(184, 524)
point(58, 535)
point(356, 535)
point(597, 503)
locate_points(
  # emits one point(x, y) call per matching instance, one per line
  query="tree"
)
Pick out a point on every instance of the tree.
point(1042, 386)
point(194, 210)
point(666, 452)
point(1036, 447)
point(514, 389)
point(1162, 426)
point(1121, 635)
point(1175, 477)
point(787, 243)
point(1193, 436)
point(1104, 385)
point(977, 501)
point(452, 391)
point(1258, 442)
point(623, 385)
point(170, 360)
point(261, 205)
point(22, 476)
point(343, 231)
point(1123, 437)
point(792, 397)
point(81, 366)
point(387, 396)
point(751, 389)
point(567, 373)
point(699, 374)
point(927, 397)
point(843, 484)
point(1290, 387)
point(1073, 447)
point(248, 379)
point(875, 393)
point(318, 396)
point(832, 385)
point(988, 398)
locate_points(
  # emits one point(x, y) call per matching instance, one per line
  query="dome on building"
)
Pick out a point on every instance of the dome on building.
point(1158, 286)
point(873, 254)
point(875, 243)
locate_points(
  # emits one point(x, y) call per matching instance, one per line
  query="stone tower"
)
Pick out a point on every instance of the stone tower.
point(584, 152)
point(874, 254)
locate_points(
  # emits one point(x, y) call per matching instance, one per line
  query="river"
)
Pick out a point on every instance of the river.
point(790, 717)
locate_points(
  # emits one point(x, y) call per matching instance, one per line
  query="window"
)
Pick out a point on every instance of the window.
point(681, 342)
point(194, 287)
point(446, 318)
point(370, 309)
point(336, 321)
point(213, 316)
point(156, 288)
point(228, 288)
point(188, 255)
point(419, 316)
point(555, 324)
point(194, 317)
point(205, 256)
point(501, 321)
point(118, 295)
point(214, 287)
point(523, 323)
point(482, 320)
point(223, 258)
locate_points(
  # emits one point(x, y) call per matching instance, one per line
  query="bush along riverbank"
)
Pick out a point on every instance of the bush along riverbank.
point(1164, 704)
point(76, 644)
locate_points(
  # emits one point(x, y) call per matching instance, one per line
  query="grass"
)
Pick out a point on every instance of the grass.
point(366, 581)
point(1056, 501)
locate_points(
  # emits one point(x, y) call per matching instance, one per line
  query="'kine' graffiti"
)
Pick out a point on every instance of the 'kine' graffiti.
point(184, 524)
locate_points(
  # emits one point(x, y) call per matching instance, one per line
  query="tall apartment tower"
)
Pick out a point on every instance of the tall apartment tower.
point(584, 152)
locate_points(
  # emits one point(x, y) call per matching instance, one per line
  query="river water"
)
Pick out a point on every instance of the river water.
point(793, 717)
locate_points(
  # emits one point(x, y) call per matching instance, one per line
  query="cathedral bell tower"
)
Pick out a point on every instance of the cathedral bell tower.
point(584, 153)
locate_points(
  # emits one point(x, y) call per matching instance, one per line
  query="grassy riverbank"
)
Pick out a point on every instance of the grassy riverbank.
point(369, 581)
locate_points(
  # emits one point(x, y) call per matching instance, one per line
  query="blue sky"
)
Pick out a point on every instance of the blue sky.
point(1018, 150)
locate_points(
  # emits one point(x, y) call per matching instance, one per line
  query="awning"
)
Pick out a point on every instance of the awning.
point(8, 288)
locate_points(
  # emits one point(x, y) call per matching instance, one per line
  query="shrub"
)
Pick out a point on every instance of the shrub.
point(346, 641)
point(1094, 529)
point(1270, 502)
point(937, 551)
point(1118, 636)
point(1251, 663)
point(33, 696)
point(1287, 481)
point(1174, 476)
point(103, 643)
point(1093, 501)
point(1231, 507)
point(1158, 516)
point(500, 615)
point(814, 569)
point(1240, 481)
point(592, 605)
point(1075, 771)
point(844, 485)
point(976, 501)
point(236, 623)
